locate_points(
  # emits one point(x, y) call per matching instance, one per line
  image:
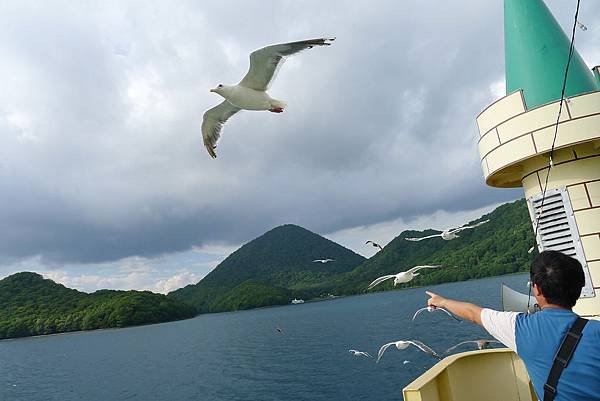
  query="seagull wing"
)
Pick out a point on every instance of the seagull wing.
point(458, 345)
point(448, 313)
point(265, 62)
point(456, 230)
point(382, 350)
point(367, 354)
point(424, 348)
point(417, 268)
point(422, 238)
point(212, 124)
point(418, 312)
point(380, 280)
point(352, 350)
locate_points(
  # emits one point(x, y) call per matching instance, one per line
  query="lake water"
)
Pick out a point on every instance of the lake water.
point(240, 355)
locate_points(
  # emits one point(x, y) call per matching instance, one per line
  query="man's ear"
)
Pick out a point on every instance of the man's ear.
point(536, 290)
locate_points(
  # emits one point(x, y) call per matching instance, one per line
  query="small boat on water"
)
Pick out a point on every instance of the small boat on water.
point(297, 301)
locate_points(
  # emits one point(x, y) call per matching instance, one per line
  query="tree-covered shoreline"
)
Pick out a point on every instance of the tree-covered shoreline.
point(31, 305)
point(272, 270)
point(496, 248)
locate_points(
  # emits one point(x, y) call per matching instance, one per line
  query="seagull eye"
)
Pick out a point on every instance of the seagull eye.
point(220, 86)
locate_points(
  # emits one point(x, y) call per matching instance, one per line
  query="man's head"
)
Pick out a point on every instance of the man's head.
point(558, 278)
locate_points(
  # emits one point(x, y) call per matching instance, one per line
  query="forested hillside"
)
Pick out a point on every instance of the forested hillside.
point(271, 270)
point(495, 248)
point(278, 266)
point(31, 305)
point(281, 261)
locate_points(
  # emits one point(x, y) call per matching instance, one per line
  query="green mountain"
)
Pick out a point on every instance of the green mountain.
point(495, 248)
point(31, 305)
point(277, 266)
point(274, 267)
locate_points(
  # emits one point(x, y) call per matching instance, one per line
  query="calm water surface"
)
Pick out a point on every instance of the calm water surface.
point(240, 356)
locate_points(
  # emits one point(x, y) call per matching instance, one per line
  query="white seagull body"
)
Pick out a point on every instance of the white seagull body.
point(402, 277)
point(481, 344)
point(433, 309)
point(250, 93)
point(448, 234)
point(323, 260)
point(405, 344)
point(360, 353)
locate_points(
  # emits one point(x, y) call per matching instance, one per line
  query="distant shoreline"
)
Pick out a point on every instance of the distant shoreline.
point(314, 300)
point(63, 333)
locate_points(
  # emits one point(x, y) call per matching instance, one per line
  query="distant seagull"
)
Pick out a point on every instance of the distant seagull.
point(250, 93)
point(581, 26)
point(481, 344)
point(406, 362)
point(360, 353)
point(376, 245)
point(323, 260)
point(405, 344)
point(402, 277)
point(279, 330)
point(531, 249)
point(449, 233)
point(433, 309)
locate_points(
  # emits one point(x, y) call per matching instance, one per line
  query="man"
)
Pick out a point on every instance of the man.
point(556, 281)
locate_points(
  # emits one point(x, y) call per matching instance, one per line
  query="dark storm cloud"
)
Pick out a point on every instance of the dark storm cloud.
point(102, 156)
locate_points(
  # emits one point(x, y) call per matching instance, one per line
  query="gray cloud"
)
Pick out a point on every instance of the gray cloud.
point(101, 154)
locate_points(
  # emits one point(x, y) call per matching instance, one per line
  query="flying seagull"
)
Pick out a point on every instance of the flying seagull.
point(402, 277)
point(481, 344)
point(448, 234)
point(376, 245)
point(250, 93)
point(433, 309)
point(405, 344)
point(360, 353)
point(323, 260)
point(581, 25)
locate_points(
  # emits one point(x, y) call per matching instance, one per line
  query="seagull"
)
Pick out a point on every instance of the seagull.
point(405, 344)
point(402, 277)
point(481, 344)
point(376, 245)
point(323, 260)
point(449, 233)
point(360, 353)
point(432, 309)
point(250, 93)
point(406, 362)
point(581, 26)
point(279, 330)
point(531, 249)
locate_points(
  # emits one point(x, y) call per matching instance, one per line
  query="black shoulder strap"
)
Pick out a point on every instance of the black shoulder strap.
point(563, 356)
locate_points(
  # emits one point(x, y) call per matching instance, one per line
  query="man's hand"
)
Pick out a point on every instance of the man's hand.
point(435, 300)
point(464, 310)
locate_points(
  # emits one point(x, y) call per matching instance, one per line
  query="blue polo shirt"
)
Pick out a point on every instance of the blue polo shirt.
point(537, 339)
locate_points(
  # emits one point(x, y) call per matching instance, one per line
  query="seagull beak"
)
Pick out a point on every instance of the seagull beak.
point(211, 90)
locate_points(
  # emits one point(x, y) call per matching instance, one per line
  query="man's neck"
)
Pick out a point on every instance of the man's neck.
point(554, 306)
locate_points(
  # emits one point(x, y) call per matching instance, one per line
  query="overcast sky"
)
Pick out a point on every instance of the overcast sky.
point(105, 182)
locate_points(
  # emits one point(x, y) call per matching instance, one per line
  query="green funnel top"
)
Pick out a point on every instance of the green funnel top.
point(536, 52)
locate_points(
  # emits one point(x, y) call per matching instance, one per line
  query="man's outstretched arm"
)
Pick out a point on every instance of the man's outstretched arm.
point(464, 310)
point(501, 325)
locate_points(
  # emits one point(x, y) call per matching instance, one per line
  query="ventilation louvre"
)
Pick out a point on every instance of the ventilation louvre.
point(558, 230)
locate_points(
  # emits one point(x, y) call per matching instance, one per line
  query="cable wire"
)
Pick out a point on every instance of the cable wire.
point(551, 161)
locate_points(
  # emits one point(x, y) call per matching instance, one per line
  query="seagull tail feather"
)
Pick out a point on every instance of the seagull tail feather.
point(278, 104)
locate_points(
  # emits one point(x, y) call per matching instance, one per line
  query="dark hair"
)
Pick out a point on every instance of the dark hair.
point(559, 277)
